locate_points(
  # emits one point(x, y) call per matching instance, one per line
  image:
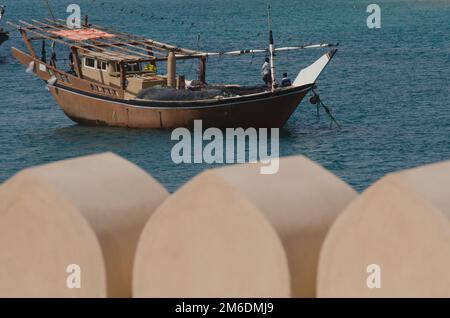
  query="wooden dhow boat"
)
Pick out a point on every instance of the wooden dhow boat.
point(113, 81)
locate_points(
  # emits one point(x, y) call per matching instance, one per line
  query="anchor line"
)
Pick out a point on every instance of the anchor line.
point(316, 100)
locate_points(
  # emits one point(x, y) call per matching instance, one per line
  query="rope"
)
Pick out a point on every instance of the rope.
point(50, 10)
point(316, 100)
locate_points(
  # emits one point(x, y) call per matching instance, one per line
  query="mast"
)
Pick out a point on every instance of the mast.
point(271, 46)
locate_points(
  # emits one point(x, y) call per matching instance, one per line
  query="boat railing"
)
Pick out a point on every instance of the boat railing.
point(67, 79)
point(46, 70)
point(61, 76)
point(105, 90)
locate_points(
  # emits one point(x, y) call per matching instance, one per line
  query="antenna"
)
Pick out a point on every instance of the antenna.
point(269, 15)
point(50, 10)
point(271, 44)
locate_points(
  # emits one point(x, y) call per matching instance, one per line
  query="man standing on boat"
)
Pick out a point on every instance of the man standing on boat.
point(2, 11)
point(266, 73)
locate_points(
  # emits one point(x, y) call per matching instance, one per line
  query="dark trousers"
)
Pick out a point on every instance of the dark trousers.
point(267, 79)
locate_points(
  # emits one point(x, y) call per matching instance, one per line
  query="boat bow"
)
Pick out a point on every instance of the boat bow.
point(309, 75)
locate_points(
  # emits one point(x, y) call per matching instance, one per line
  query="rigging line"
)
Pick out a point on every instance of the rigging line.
point(193, 60)
point(50, 10)
point(269, 15)
point(198, 49)
point(318, 101)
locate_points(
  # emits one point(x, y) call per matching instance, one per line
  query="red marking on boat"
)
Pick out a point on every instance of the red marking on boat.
point(83, 34)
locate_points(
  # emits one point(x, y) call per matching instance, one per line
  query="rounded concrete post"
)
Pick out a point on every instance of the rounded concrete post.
point(393, 240)
point(234, 232)
point(74, 223)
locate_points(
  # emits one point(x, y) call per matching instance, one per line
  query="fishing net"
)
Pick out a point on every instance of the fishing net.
point(208, 92)
point(171, 94)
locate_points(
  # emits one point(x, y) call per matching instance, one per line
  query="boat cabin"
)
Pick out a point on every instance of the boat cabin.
point(138, 75)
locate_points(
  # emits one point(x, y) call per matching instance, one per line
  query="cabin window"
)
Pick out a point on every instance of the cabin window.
point(89, 62)
point(133, 67)
point(116, 67)
point(102, 65)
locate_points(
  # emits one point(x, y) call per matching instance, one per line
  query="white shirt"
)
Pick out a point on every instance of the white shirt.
point(265, 69)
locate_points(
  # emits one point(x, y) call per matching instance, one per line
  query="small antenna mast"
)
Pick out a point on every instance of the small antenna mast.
point(50, 10)
point(271, 45)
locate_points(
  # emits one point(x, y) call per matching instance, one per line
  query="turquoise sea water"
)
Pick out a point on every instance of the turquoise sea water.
point(389, 88)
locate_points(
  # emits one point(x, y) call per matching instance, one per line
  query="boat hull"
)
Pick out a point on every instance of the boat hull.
point(86, 103)
point(269, 111)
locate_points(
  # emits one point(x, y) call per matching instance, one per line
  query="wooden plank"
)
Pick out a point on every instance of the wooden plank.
point(98, 51)
point(67, 79)
point(133, 42)
point(152, 54)
point(171, 69)
point(121, 56)
point(44, 36)
point(156, 44)
point(98, 42)
point(130, 40)
point(76, 62)
point(202, 71)
point(28, 43)
point(123, 76)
